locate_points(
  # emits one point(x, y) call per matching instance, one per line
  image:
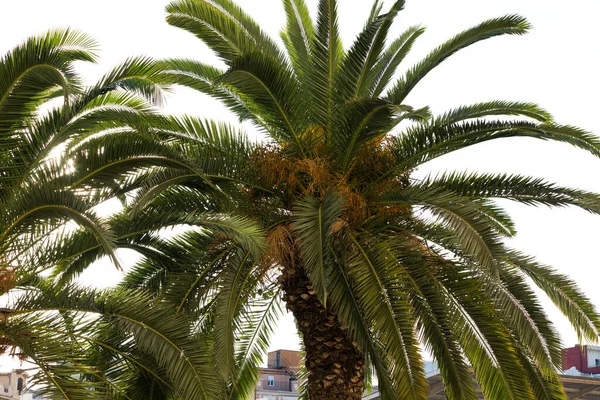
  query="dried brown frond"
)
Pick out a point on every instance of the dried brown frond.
point(338, 225)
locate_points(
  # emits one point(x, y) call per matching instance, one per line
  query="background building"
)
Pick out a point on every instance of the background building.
point(13, 384)
point(585, 359)
point(279, 381)
point(578, 379)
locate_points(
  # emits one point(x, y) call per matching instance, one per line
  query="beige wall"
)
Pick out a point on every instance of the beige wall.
point(287, 358)
point(8, 383)
point(4, 380)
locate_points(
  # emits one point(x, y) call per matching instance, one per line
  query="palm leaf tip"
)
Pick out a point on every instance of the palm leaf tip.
point(507, 25)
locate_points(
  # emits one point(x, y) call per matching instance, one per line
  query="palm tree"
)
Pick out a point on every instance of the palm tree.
point(117, 343)
point(85, 343)
point(325, 214)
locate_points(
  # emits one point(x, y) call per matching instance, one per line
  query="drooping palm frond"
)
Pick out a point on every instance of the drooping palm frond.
point(31, 71)
point(213, 281)
point(141, 326)
point(34, 186)
point(484, 338)
point(476, 235)
point(348, 304)
point(313, 224)
point(385, 305)
point(426, 142)
point(140, 75)
point(222, 25)
point(564, 294)
point(256, 327)
point(436, 333)
point(236, 290)
point(522, 189)
point(37, 210)
point(487, 109)
point(85, 344)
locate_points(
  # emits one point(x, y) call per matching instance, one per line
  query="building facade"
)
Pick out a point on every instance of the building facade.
point(585, 359)
point(279, 381)
point(13, 384)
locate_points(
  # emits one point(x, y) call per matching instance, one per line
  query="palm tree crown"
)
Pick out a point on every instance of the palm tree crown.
point(325, 215)
point(85, 343)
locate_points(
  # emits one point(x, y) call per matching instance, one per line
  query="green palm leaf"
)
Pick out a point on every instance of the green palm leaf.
point(356, 70)
point(508, 25)
point(298, 35)
point(313, 222)
point(564, 294)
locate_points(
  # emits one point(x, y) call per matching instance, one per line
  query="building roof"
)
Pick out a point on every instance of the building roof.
point(576, 387)
point(15, 371)
point(581, 387)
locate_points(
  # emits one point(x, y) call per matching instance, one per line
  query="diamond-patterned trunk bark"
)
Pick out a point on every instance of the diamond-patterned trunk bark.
point(334, 363)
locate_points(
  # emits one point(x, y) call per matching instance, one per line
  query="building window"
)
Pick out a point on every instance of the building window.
point(271, 381)
point(597, 362)
point(5, 390)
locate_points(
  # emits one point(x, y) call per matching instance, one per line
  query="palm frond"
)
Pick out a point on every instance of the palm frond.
point(29, 72)
point(357, 69)
point(389, 61)
point(185, 360)
point(485, 340)
point(523, 189)
point(270, 92)
point(388, 309)
point(313, 221)
point(507, 25)
point(424, 143)
point(435, 324)
point(298, 36)
point(234, 293)
point(564, 293)
point(491, 108)
point(348, 305)
point(222, 25)
point(328, 54)
point(476, 235)
point(143, 76)
point(256, 327)
point(356, 123)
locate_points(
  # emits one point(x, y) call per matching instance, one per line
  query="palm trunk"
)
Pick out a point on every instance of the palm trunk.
point(334, 363)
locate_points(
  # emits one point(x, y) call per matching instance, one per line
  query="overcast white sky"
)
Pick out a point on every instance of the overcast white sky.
point(556, 65)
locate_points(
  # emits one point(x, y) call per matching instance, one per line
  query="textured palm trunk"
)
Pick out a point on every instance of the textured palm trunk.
point(335, 365)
